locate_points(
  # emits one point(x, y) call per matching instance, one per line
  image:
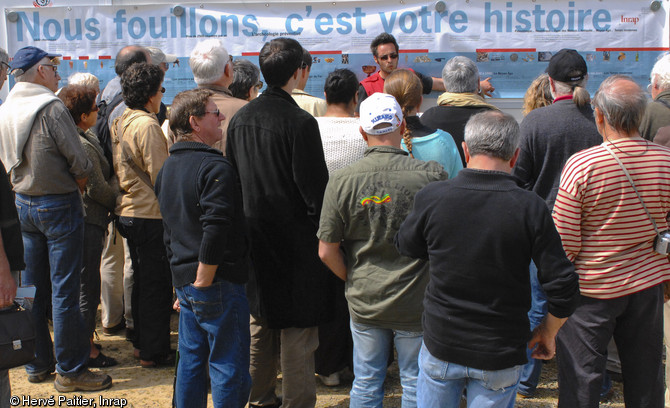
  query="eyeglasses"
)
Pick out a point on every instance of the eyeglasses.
point(95, 108)
point(53, 66)
point(259, 85)
point(393, 55)
point(162, 89)
point(216, 112)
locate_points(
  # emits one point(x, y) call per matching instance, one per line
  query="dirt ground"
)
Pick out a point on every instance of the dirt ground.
point(138, 387)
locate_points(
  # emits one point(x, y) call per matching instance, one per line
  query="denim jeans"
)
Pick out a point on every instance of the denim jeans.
point(214, 329)
point(152, 290)
point(441, 384)
point(372, 346)
point(530, 374)
point(53, 233)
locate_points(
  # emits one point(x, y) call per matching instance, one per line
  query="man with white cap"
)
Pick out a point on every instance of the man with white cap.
point(363, 208)
point(48, 167)
point(158, 57)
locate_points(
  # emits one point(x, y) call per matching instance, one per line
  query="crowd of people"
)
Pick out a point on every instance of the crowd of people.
point(313, 235)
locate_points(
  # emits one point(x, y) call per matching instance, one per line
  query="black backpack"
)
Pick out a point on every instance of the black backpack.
point(102, 126)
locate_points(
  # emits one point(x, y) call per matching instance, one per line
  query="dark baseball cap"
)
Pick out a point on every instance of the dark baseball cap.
point(26, 57)
point(567, 66)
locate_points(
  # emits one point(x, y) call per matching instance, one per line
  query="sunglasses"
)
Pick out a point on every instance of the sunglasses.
point(259, 85)
point(393, 55)
point(53, 66)
point(303, 65)
point(162, 89)
point(216, 112)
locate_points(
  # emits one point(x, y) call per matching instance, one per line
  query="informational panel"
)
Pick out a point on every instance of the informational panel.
point(511, 41)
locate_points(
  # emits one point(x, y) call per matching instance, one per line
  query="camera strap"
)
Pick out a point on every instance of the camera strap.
point(630, 179)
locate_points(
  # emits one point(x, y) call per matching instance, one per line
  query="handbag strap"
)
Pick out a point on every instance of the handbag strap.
point(630, 179)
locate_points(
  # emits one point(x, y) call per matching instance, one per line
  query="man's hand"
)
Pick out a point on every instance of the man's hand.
point(7, 287)
point(176, 306)
point(82, 184)
point(544, 338)
point(486, 88)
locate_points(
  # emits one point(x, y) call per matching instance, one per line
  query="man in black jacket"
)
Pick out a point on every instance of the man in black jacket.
point(206, 243)
point(479, 232)
point(276, 148)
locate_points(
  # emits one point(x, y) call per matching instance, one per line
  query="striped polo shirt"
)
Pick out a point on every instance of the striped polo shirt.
point(603, 226)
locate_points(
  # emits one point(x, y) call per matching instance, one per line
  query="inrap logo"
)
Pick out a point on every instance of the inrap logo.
point(633, 20)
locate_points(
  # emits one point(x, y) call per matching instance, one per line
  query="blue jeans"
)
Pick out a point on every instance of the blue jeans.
point(214, 329)
point(372, 346)
point(53, 235)
point(530, 374)
point(441, 384)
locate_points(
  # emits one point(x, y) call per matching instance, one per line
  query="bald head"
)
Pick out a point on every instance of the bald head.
point(622, 103)
point(128, 56)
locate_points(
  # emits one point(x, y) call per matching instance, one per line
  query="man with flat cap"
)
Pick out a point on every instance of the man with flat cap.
point(48, 168)
point(549, 136)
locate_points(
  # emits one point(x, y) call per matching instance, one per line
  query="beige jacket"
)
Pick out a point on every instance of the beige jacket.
point(147, 145)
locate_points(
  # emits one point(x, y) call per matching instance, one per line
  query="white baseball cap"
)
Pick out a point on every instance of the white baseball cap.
point(378, 109)
point(158, 56)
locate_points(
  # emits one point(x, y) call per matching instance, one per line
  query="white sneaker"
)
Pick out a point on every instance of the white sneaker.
point(332, 380)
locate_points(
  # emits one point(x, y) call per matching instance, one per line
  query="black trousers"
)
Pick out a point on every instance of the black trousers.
point(152, 287)
point(636, 323)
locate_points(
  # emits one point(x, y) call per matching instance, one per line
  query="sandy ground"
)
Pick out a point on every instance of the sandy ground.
point(138, 387)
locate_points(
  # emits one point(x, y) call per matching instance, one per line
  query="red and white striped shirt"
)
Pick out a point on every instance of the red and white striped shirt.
point(604, 229)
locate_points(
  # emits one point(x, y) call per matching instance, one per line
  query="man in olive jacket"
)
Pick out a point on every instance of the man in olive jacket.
point(277, 151)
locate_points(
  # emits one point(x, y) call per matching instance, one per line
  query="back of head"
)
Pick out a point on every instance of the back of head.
point(279, 59)
point(569, 71)
point(460, 75)
point(245, 75)
point(380, 114)
point(4, 58)
point(78, 99)
point(139, 83)
point(340, 87)
point(538, 94)
point(306, 58)
point(660, 74)
point(383, 38)
point(406, 88)
point(622, 103)
point(85, 79)
point(186, 104)
point(492, 133)
point(208, 61)
point(128, 56)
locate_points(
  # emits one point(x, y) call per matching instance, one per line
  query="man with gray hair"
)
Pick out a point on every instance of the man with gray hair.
point(612, 203)
point(213, 69)
point(657, 114)
point(48, 168)
point(246, 80)
point(475, 308)
point(461, 100)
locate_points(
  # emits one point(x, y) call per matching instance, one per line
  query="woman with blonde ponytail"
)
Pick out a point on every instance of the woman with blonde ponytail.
point(420, 141)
